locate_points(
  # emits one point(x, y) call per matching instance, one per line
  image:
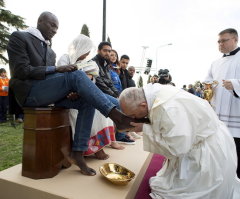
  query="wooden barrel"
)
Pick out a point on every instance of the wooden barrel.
point(46, 132)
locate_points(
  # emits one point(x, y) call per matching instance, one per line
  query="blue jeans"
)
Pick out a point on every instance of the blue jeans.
point(120, 135)
point(56, 87)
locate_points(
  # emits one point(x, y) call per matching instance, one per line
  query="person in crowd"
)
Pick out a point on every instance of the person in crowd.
point(131, 72)
point(103, 81)
point(165, 77)
point(35, 81)
point(114, 70)
point(154, 79)
point(184, 87)
point(199, 92)
point(4, 84)
point(124, 74)
point(191, 89)
point(200, 153)
point(226, 71)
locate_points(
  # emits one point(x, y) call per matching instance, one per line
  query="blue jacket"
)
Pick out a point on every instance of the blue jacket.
point(116, 80)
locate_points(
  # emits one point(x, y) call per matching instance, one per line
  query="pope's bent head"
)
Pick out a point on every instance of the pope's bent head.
point(133, 102)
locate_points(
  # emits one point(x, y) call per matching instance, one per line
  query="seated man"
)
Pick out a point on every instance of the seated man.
point(201, 154)
point(35, 81)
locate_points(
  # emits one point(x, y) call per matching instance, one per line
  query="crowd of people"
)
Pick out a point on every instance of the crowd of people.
point(197, 90)
point(201, 158)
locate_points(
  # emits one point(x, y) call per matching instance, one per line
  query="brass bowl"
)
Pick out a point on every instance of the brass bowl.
point(116, 173)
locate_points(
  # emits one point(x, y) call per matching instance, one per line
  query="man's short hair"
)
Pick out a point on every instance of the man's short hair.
point(2, 70)
point(131, 67)
point(230, 31)
point(124, 57)
point(46, 14)
point(104, 43)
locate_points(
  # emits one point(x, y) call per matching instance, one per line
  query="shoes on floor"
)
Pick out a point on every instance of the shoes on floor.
point(19, 120)
point(126, 140)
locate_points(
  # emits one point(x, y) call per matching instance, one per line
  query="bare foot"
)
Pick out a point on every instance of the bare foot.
point(101, 155)
point(140, 133)
point(115, 145)
point(78, 159)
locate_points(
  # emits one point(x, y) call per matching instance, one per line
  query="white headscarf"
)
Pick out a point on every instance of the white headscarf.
point(79, 46)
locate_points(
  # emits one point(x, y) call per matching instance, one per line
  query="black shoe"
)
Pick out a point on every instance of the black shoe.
point(126, 140)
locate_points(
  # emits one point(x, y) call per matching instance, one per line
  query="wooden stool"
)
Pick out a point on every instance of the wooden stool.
point(46, 132)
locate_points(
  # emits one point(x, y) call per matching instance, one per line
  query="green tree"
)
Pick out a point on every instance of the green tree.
point(85, 30)
point(140, 82)
point(7, 21)
point(149, 78)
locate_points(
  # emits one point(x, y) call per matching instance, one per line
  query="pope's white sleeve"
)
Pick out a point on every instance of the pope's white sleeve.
point(148, 138)
point(177, 129)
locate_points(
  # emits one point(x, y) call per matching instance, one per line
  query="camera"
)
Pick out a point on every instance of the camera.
point(163, 73)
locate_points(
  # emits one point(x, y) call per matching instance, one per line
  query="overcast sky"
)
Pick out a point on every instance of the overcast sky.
point(192, 26)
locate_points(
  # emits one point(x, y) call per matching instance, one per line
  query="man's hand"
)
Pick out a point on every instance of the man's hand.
point(90, 76)
point(73, 96)
point(227, 84)
point(67, 68)
point(138, 127)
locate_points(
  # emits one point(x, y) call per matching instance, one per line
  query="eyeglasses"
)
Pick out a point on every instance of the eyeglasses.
point(223, 40)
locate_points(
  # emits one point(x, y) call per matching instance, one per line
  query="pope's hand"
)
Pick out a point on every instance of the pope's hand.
point(138, 127)
point(227, 84)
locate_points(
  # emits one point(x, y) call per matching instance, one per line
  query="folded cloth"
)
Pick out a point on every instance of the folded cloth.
point(90, 67)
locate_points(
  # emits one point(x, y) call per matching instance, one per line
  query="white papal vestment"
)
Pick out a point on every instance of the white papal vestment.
point(201, 154)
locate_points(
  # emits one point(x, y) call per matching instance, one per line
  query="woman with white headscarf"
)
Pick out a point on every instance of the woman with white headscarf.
point(102, 131)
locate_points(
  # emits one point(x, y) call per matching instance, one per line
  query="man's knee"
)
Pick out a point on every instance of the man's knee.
point(78, 73)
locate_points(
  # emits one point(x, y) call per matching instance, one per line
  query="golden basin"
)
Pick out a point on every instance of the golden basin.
point(116, 173)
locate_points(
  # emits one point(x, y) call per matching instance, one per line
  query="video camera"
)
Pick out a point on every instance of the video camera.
point(163, 73)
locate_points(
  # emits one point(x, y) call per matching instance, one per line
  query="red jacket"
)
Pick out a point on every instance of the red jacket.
point(3, 82)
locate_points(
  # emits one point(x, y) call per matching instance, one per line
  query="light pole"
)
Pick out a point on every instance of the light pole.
point(169, 44)
point(104, 21)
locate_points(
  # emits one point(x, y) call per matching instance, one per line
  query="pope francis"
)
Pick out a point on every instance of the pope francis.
point(200, 153)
